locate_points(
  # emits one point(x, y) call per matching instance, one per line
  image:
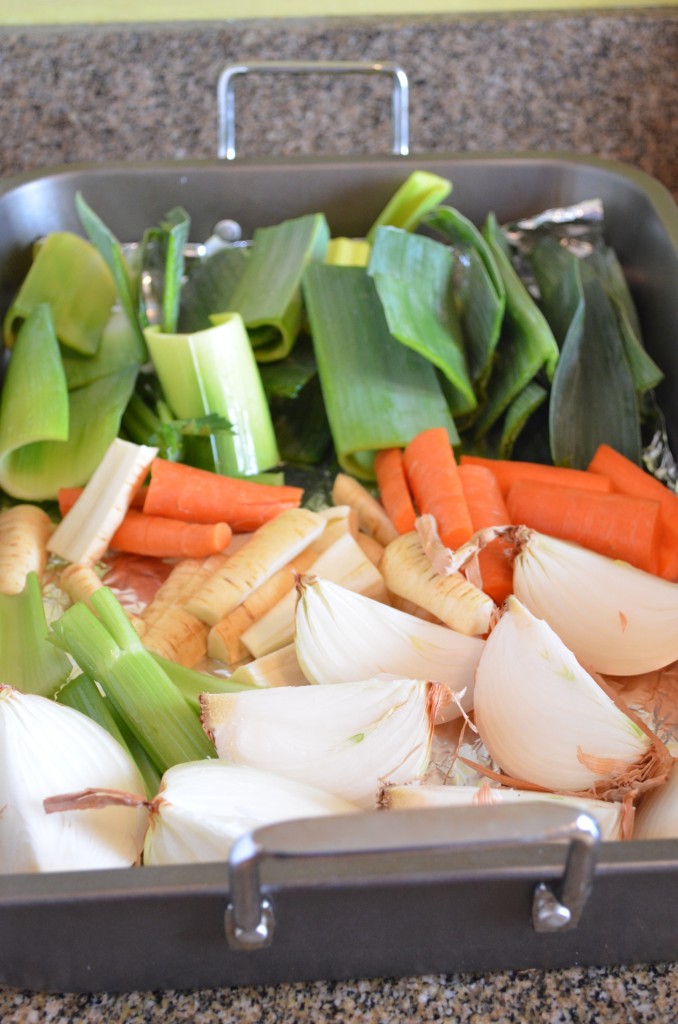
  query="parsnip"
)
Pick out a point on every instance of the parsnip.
point(344, 562)
point(171, 630)
point(279, 668)
point(408, 572)
point(271, 547)
point(24, 533)
point(84, 533)
point(371, 515)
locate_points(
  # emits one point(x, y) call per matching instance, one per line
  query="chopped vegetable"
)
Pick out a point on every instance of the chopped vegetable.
point(272, 546)
point(508, 471)
point(179, 491)
point(29, 662)
point(615, 525)
point(418, 195)
point(432, 474)
point(371, 515)
point(84, 534)
point(24, 533)
point(394, 489)
point(487, 507)
point(214, 372)
point(143, 534)
point(628, 478)
point(453, 600)
point(107, 649)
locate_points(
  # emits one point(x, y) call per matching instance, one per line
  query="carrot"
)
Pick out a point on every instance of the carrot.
point(159, 537)
point(615, 525)
point(394, 489)
point(67, 497)
point(183, 492)
point(487, 508)
point(433, 477)
point(628, 478)
point(507, 472)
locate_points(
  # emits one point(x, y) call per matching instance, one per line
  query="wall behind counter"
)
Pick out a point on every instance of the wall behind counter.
point(601, 83)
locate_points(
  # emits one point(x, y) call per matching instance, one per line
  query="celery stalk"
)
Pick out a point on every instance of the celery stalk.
point(153, 709)
point(191, 683)
point(29, 662)
point(214, 371)
point(71, 277)
point(83, 695)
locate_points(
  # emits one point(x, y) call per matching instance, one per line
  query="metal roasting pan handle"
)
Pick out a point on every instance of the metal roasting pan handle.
point(249, 918)
point(226, 99)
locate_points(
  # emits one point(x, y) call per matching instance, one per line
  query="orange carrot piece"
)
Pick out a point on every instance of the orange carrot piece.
point(67, 497)
point(615, 525)
point(628, 478)
point(394, 490)
point(433, 477)
point(487, 507)
point(159, 537)
point(507, 472)
point(200, 496)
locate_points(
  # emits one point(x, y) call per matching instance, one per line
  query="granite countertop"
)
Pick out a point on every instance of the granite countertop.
point(601, 83)
point(642, 995)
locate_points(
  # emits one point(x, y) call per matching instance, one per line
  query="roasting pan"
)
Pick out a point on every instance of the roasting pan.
point(409, 892)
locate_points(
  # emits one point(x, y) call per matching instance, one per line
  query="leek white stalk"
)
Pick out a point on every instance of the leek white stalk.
point(545, 720)
point(204, 806)
point(348, 739)
point(610, 816)
point(46, 749)
point(342, 636)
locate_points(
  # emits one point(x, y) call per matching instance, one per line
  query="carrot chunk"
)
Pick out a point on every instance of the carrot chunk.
point(487, 507)
point(507, 472)
point(178, 491)
point(615, 525)
point(394, 490)
point(433, 477)
point(628, 478)
point(159, 537)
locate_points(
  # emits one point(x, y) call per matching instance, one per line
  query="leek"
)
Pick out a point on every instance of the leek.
point(292, 388)
point(413, 276)
point(162, 270)
point(348, 252)
point(71, 277)
point(268, 295)
point(214, 372)
point(478, 287)
point(121, 348)
point(109, 248)
point(417, 196)
point(51, 437)
point(209, 287)
point(517, 415)
point(526, 346)
point(108, 649)
point(378, 393)
point(593, 395)
point(29, 662)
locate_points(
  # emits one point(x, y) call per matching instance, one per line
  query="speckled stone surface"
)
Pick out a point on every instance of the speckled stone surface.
point(574, 996)
point(603, 84)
